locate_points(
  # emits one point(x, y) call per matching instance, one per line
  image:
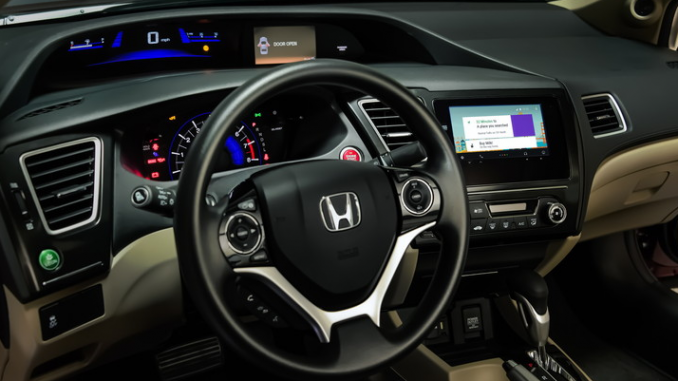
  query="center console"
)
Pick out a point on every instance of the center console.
point(518, 151)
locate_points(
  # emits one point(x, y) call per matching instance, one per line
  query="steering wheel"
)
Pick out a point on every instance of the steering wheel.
point(323, 238)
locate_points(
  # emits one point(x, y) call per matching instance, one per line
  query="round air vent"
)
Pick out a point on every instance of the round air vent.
point(644, 11)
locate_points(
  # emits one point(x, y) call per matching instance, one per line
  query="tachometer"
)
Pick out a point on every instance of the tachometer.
point(243, 147)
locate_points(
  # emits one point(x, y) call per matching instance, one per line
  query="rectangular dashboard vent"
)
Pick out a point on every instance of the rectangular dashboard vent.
point(387, 123)
point(605, 117)
point(64, 181)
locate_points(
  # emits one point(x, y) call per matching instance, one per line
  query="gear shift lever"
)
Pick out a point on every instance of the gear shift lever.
point(530, 291)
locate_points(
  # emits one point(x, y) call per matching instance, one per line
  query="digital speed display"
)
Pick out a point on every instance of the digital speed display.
point(194, 41)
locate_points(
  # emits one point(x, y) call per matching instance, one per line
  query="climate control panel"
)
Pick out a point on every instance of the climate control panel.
point(506, 216)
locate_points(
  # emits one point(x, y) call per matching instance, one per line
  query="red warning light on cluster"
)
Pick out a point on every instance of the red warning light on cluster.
point(159, 160)
point(155, 175)
point(155, 146)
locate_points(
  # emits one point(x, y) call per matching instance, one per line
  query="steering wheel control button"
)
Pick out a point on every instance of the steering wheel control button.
point(259, 257)
point(243, 233)
point(402, 176)
point(248, 205)
point(478, 210)
point(351, 154)
point(557, 213)
point(49, 260)
point(417, 196)
point(261, 309)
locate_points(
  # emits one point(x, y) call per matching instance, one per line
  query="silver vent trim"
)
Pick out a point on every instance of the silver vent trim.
point(96, 175)
point(616, 127)
point(391, 129)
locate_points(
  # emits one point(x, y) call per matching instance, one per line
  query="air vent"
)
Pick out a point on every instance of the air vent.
point(56, 107)
point(64, 181)
point(605, 117)
point(387, 123)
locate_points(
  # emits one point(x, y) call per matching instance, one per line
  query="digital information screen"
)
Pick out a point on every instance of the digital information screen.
point(498, 131)
point(283, 44)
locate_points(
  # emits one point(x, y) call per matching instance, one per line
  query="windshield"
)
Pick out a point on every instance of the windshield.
point(27, 6)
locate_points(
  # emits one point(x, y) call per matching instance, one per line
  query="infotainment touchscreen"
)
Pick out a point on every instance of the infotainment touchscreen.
point(498, 131)
point(507, 139)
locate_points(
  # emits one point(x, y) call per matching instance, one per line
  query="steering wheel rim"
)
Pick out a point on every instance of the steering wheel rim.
point(209, 278)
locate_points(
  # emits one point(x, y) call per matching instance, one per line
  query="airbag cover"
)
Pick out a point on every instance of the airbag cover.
point(341, 255)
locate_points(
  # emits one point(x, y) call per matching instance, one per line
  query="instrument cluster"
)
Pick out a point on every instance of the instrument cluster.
point(156, 144)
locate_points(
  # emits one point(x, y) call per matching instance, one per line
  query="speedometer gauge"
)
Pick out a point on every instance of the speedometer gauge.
point(243, 147)
point(182, 141)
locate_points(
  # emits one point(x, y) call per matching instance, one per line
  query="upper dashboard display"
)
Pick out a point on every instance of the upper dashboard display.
point(216, 42)
point(284, 44)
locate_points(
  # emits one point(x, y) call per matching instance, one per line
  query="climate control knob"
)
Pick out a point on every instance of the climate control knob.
point(557, 213)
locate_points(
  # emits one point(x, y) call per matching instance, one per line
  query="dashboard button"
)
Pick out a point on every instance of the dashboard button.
point(492, 225)
point(140, 196)
point(557, 213)
point(506, 224)
point(478, 210)
point(49, 259)
point(21, 202)
point(351, 154)
point(533, 222)
point(478, 225)
point(520, 222)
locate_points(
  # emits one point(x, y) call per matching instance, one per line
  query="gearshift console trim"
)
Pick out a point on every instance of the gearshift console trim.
point(536, 324)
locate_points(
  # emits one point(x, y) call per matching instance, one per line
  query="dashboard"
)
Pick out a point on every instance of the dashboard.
point(542, 120)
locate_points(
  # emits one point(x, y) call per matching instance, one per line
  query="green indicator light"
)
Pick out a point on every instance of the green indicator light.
point(257, 115)
point(49, 260)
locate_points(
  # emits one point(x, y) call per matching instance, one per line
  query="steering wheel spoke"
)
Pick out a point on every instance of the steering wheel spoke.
point(322, 320)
